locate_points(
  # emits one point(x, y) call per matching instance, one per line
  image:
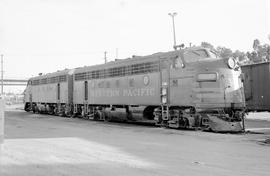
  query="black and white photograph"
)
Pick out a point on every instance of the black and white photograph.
point(135, 87)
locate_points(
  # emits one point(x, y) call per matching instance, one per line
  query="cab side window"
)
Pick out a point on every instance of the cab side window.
point(177, 63)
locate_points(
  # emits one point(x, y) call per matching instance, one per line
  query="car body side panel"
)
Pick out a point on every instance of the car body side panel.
point(140, 89)
point(47, 93)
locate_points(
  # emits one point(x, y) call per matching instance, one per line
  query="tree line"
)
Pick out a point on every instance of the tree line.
point(260, 53)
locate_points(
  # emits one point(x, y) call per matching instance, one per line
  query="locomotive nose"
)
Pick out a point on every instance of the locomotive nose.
point(217, 85)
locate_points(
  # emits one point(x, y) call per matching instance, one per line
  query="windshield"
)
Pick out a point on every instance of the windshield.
point(212, 54)
point(198, 55)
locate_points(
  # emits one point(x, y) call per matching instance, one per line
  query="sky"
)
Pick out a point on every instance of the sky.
point(43, 36)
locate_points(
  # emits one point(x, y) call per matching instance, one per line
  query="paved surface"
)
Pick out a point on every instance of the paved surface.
point(47, 145)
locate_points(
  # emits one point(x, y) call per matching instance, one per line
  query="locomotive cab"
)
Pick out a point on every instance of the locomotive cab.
point(28, 96)
point(218, 81)
point(210, 84)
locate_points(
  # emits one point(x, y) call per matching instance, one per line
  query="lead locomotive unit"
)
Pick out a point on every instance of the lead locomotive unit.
point(187, 88)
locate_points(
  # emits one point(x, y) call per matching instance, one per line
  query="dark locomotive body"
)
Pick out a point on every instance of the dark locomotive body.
point(257, 83)
point(189, 88)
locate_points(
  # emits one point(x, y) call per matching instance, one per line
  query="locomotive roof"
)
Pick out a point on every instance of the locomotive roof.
point(128, 61)
point(135, 59)
point(58, 73)
point(120, 62)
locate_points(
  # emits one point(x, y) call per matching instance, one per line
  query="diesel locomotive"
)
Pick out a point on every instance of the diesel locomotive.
point(187, 88)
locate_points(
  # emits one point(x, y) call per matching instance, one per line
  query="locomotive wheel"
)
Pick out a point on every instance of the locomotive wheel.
point(108, 118)
point(68, 115)
point(60, 114)
point(99, 115)
point(51, 112)
point(34, 109)
point(85, 117)
point(184, 123)
point(27, 107)
point(96, 116)
point(164, 124)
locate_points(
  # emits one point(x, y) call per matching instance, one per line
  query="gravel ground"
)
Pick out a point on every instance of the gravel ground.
point(45, 145)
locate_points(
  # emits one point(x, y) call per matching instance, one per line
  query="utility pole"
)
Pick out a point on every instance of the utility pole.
point(2, 75)
point(105, 57)
point(116, 53)
point(174, 37)
point(268, 49)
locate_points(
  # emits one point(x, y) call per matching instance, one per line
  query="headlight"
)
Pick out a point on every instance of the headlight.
point(231, 63)
point(207, 77)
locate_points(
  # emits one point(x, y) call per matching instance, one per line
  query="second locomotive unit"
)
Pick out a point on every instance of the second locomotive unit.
point(187, 88)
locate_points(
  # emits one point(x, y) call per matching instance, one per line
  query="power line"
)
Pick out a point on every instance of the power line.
point(116, 53)
point(105, 57)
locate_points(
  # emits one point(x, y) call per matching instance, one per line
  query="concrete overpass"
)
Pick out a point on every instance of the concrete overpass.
point(14, 82)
